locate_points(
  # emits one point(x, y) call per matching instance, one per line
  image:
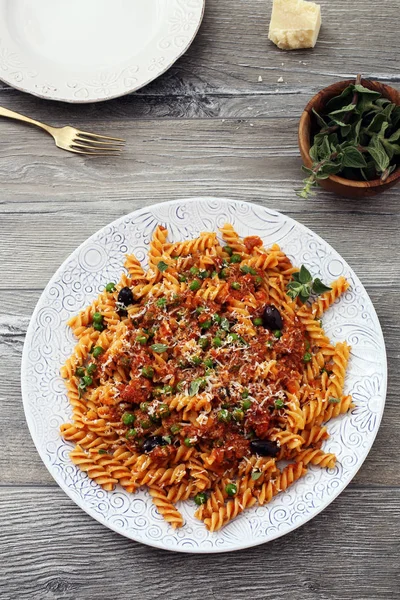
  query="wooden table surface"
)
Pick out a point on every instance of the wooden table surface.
point(206, 127)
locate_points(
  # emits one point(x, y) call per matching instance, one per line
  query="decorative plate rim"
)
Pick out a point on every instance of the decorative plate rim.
point(78, 500)
point(122, 92)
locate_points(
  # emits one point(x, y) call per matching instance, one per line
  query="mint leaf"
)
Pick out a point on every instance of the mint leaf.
point(321, 122)
point(162, 266)
point(364, 90)
point(304, 275)
point(159, 348)
point(353, 158)
point(195, 386)
point(319, 287)
point(379, 155)
point(338, 101)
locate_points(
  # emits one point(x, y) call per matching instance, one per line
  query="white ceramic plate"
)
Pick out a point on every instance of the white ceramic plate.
point(97, 261)
point(92, 50)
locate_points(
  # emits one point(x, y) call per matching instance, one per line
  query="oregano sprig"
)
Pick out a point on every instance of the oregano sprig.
point(358, 138)
point(303, 285)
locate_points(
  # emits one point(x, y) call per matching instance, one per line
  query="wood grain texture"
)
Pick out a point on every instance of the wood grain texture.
point(206, 127)
point(57, 551)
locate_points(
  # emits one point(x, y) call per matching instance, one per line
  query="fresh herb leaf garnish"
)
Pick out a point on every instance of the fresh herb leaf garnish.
point(162, 266)
point(159, 348)
point(359, 138)
point(303, 285)
point(256, 475)
point(195, 386)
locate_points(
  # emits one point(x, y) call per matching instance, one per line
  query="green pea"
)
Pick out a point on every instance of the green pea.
point(131, 433)
point(228, 250)
point(163, 410)
point(80, 371)
point(246, 404)
point(278, 333)
point(195, 285)
point(189, 442)
point(196, 360)
point(223, 274)
point(270, 343)
point(144, 406)
point(216, 318)
point(175, 428)
point(206, 324)
point(224, 415)
point(235, 258)
point(209, 363)
point(102, 451)
point(168, 389)
point(200, 498)
point(179, 386)
point(200, 309)
point(98, 326)
point(217, 342)
point(97, 317)
point(156, 419)
point(148, 372)
point(233, 337)
point(161, 302)
point(110, 287)
point(258, 280)
point(142, 339)
point(231, 489)
point(157, 392)
point(90, 369)
point(145, 424)
point(238, 415)
point(182, 278)
point(235, 285)
point(307, 357)
point(203, 342)
point(258, 321)
point(128, 418)
point(279, 403)
point(194, 270)
point(86, 380)
point(245, 393)
point(204, 274)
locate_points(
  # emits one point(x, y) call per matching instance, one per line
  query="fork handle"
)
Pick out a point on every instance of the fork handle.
point(10, 114)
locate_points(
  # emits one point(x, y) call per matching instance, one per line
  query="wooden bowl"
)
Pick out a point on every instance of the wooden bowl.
point(308, 127)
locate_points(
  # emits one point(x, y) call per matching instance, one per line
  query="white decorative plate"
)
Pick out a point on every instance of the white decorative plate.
point(97, 261)
point(92, 50)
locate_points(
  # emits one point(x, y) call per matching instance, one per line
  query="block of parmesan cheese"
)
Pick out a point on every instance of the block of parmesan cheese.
point(294, 24)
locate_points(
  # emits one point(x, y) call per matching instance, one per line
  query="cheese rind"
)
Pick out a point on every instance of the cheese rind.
point(294, 24)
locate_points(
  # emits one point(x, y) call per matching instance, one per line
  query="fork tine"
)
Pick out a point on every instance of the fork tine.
point(101, 153)
point(100, 143)
point(92, 148)
point(96, 135)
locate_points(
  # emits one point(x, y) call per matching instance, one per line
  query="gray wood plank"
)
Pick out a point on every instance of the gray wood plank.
point(54, 550)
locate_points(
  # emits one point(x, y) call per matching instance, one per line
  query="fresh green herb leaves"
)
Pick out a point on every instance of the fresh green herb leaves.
point(256, 475)
point(159, 348)
point(196, 385)
point(358, 138)
point(303, 286)
point(162, 266)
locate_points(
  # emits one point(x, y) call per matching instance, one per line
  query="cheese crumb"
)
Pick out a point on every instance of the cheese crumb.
point(280, 80)
point(260, 79)
point(294, 24)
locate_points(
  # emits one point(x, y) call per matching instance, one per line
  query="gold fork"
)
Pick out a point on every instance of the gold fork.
point(72, 139)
